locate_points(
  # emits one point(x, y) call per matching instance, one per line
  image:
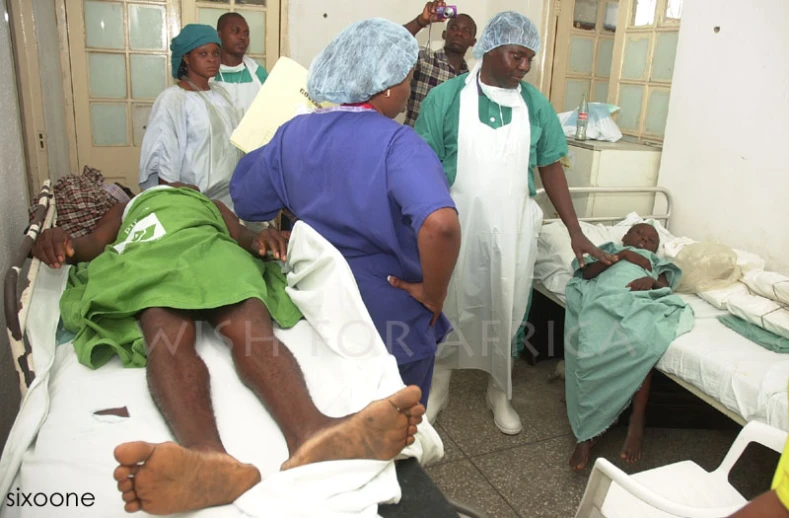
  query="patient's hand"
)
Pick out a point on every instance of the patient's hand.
point(273, 241)
point(642, 284)
point(635, 258)
point(52, 247)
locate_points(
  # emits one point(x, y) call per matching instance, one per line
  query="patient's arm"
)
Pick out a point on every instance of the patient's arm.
point(635, 258)
point(594, 269)
point(255, 243)
point(661, 282)
point(54, 247)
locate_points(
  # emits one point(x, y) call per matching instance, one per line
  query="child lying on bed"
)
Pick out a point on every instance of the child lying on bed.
point(620, 319)
point(168, 258)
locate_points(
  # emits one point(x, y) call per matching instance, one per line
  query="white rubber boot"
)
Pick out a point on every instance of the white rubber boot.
point(439, 393)
point(504, 416)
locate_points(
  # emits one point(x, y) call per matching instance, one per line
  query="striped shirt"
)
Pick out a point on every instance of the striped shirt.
point(431, 70)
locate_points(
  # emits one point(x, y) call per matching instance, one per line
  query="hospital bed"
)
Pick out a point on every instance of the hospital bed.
point(71, 418)
point(737, 377)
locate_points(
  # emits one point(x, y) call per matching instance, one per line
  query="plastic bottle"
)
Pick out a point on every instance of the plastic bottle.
point(583, 120)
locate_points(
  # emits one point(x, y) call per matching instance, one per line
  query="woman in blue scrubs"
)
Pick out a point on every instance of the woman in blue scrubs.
point(370, 186)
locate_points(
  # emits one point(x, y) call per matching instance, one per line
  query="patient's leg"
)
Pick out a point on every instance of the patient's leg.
point(380, 431)
point(178, 378)
point(631, 451)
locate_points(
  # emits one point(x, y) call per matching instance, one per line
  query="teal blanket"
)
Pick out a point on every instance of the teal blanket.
point(614, 336)
point(756, 334)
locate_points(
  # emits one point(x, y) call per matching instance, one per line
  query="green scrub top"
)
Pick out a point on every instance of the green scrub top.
point(439, 121)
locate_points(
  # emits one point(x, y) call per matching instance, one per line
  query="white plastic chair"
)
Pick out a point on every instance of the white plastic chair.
point(682, 489)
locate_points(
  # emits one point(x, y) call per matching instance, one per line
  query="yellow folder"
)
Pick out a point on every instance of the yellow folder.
point(282, 97)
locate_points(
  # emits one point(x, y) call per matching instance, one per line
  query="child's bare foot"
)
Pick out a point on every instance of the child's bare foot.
point(631, 451)
point(580, 457)
point(167, 478)
point(378, 432)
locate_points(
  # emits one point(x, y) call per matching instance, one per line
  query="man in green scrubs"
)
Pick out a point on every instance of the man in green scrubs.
point(490, 130)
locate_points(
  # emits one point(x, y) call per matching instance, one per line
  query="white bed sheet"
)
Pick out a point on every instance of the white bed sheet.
point(745, 377)
point(58, 445)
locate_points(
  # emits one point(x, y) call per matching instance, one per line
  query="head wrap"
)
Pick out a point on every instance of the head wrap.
point(192, 36)
point(363, 60)
point(508, 28)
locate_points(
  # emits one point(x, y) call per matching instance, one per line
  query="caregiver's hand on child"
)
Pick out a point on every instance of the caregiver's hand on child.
point(582, 246)
point(52, 247)
point(642, 284)
point(635, 258)
point(271, 240)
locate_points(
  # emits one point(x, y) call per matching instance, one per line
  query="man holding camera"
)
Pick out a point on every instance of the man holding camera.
point(433, 68)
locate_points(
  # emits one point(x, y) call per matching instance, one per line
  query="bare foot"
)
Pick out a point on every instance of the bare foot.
point(167, 478)
point(580, 457)
point(631, 451)
point(378, 432)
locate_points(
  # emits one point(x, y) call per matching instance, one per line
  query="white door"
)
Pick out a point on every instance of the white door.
point(119, 53)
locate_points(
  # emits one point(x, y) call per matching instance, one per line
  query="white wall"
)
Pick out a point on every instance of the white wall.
point(13, 210)
point(313, 24)
point(728, 127)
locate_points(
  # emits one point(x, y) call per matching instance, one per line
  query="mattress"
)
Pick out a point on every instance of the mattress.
point(743, 376)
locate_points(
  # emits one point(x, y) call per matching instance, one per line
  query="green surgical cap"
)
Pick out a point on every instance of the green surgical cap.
point(508, 28)
point(192, 36)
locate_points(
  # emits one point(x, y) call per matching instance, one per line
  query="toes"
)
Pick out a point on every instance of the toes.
point(122, 473)
point(125, 472)
point(132, 507)
point(415, 411)
point(125, 485)
point(412, 430)
point(407, 400)
point(129, 496)
point(410, 440)
point(132, 453)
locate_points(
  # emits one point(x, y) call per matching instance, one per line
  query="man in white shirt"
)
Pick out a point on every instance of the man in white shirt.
point(239, 74)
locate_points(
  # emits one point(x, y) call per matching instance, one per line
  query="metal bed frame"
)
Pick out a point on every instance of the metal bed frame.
point(665, 218)
point(17, 305)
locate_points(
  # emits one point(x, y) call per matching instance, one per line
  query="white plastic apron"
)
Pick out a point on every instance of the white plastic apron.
point(223, 157)
point(500, 222)
point(242, 94)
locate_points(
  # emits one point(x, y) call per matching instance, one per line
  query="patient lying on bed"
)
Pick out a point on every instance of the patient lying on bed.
point(620, 319)
point(172, 257)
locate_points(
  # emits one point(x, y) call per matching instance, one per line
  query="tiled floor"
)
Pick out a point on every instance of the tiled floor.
point(528, 475)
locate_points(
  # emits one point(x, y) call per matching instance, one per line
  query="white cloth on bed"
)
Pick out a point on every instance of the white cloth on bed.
point(58, 445)
point(744, 377)
point(772, 285)
point(761, 311)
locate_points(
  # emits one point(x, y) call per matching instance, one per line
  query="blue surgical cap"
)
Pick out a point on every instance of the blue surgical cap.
point(363, 60)
point(192, 36)
point(508, 28)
